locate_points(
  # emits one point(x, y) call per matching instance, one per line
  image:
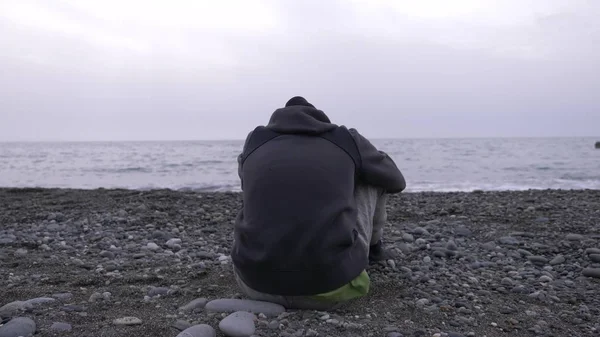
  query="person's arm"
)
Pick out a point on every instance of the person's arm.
point(239, 160)
point(378, 168)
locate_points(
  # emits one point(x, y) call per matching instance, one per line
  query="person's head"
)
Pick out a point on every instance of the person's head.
point(314, 112)
point(298, 100)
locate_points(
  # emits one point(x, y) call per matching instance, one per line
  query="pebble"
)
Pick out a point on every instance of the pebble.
point(95, 297)
point(545, 278)
point(201, 330)
point(524, 252)
point(420, 231)
point(426, 259)
point(575, 237)
point(21, 252)
point(7, 239)
point(19, 326)
point(127, 321)
point(194, 305)
point(173, 242)
point(63, 296)
point(73, 308)
point(152, 246)
point(537, 260)
point(107, 254)
point(422, 302)
point(592, 251)
point(594, 258)
point(408, 237)
point(559, 259)
point(158, 291)
point(451, 245)
point(181, 325)
point(233, 305)
point(508, 240)
point(591, 272)
point(63, 327)
point(463, 231)
point(439, 253)
point(405, 248)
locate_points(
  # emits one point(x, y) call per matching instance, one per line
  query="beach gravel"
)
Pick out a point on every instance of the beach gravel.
point(157, 263)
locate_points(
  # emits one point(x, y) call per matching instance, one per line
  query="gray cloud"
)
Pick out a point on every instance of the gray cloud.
point(387, 73)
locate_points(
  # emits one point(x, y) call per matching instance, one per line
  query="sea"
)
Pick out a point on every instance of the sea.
point(443, 165)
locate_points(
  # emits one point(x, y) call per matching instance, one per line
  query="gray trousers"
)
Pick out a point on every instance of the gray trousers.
point(372, 216)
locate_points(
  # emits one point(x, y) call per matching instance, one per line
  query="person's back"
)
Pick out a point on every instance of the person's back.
point(298, 233)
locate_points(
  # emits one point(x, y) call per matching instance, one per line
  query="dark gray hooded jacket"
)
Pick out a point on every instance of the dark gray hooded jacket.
point(297, 231)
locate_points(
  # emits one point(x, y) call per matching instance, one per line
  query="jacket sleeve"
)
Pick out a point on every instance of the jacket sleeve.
point(239, 161)
point(378, 168)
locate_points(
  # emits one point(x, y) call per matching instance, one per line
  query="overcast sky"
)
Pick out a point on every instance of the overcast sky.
point(195, 69)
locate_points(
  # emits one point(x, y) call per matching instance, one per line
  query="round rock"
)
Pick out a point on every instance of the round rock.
point(152, 246)
point(238, 324)
point(19, 326)
point(201, 330)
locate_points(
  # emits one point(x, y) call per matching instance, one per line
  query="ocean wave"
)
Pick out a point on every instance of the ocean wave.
point(118, 170)
point(580, 177)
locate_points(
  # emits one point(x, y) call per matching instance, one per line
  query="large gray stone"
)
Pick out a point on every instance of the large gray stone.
point(591, 272)
point(592, 251)
point(238, 324)
point(257, 307)
point(201, 330)
point(594, 258)
point(41, 300)
point(12, 308)
point(19, 326)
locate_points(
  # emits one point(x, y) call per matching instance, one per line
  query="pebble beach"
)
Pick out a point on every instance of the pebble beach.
point(107, 263)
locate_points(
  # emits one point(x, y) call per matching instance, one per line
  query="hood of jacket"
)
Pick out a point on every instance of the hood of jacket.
point(300, 119)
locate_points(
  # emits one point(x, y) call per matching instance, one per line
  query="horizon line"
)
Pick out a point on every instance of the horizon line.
point(242, 139)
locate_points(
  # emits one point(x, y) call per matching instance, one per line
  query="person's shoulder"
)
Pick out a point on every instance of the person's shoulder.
point(345, 128)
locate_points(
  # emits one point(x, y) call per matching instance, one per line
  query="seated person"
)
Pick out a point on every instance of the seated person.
point(314, 197)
